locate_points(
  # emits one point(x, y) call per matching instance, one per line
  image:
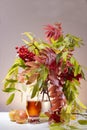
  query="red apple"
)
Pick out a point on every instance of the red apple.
point(21, 116)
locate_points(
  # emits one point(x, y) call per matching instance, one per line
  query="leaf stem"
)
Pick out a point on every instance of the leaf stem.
point(81, 114)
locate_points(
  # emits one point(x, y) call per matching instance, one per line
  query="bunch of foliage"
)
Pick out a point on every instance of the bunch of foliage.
point(54, 68)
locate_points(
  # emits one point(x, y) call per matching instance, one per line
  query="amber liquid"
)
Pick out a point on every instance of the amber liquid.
point(33, 108)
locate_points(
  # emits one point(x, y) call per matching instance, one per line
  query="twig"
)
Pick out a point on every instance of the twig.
point(81, 114)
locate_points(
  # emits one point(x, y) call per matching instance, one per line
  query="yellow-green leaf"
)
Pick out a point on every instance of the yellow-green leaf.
point(82, 122)
point(81, 104)
point(28, 35)
point(9, 89)
point(25, 41)
point(35, 89)
point(10, 99)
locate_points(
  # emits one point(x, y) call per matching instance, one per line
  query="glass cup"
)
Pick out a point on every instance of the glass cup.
point(33, 108)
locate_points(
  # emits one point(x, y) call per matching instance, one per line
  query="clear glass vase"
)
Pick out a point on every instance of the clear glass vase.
point(45, 104)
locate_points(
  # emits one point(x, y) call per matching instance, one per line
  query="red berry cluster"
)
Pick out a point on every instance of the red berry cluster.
point(25, 54)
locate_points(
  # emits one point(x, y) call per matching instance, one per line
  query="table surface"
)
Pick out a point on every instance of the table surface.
point(6, 124)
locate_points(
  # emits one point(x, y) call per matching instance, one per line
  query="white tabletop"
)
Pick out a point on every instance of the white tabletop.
point(6, 124)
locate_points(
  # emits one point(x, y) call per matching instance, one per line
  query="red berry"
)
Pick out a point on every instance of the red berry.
point(16, 47)
point(25, 54)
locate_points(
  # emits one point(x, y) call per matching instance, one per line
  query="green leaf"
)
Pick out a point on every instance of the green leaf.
point(11, 71)
point(83, 75)
point(60, 39)
point(11, 80)
point(42, 115)
point(81, 104)
point(18, 62)
point(6, 84)
point(61, 48)
point(29, 35)
point(11, 85)
point(60, 126)
point(70, 91)
point(66, 114)
point(39, 83)
point(10, 99)
point(57, 126)
point(32, 48)
point(76, 82)
point(58, 57)
point(44, 73)
point(64, 55)
point(35, 89)
point(68, 109)
point(76, 69)
point(72, 60)
point(36, 51)
point(73, 127)
point(26, 42)
point(82, 122)
point(72, 41)
point(9, 89)
point(15, 65)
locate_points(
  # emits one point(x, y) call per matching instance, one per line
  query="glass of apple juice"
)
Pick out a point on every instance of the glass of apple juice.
point(33, 108)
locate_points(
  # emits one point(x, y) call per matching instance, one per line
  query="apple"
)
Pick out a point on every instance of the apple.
point(12, 115)
point(21, 116)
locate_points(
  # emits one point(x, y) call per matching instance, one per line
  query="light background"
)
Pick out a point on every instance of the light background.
point(18, 16)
